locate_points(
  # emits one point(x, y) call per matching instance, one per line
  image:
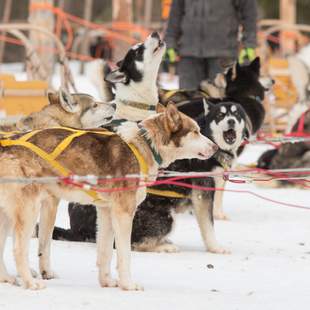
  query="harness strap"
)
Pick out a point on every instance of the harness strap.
point(64, 144)
point(139, 105)
point(51, 157)
point(301, 123)
point(62, 170)
point(172, 92)
point(142, 163)
point(165, 193)
point(47, 157)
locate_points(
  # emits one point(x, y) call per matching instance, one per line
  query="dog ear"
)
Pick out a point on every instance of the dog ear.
point(116, 76)
point(255, 65)
point(160, 108)
point(120, 63)
point(207, 106)
point(246, 134)
point(248, 130)
point(173, 117)
point(236, 70)
point(53, 97)
point(220, 80)
point(67, 102)
point(228, 75)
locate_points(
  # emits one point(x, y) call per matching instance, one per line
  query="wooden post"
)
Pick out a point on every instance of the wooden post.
point(148, 13)
point(88, 9)
point(121, 12)
point(45, 46)
point(288, 16)
point(139, 11)
point(5, 19)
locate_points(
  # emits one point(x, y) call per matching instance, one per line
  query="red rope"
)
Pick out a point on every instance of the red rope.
point(177, 182)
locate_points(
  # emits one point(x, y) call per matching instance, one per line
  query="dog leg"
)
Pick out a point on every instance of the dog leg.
point(203, 208)
point(155, 245)
point(122, 212)
point(4, 230)
point(23, 229)
point(105, 241)
point(46, 226)
point(218, 211)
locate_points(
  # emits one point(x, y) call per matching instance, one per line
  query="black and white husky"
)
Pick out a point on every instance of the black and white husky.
point(133, 85)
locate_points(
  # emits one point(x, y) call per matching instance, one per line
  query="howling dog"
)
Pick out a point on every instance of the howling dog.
point(170, 134)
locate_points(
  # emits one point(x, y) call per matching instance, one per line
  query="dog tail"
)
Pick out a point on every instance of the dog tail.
point(62, 234)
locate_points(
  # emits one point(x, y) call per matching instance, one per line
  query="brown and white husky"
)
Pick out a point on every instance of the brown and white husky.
point(170, 134)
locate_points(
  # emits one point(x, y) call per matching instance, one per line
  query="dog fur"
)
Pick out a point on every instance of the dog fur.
point(174, 135)
point(135, 79)
point(288, 155)
point(76, 110)
point(154, 218)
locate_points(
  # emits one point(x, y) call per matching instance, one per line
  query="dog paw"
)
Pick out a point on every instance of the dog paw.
point(108, 282)
point(34, 284)
point(34, 273)
point(167, 248)
point(221, 216)
point(8, 279)
point(130, 286)
point(48, 275)
point(218, 250)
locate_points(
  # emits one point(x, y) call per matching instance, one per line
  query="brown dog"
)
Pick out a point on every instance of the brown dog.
point(74, 110)
point(170, 134)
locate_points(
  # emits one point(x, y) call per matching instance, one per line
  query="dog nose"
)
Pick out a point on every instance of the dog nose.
point(215, 148)
point(231, 123)
point(155, 35)
point(113, 106)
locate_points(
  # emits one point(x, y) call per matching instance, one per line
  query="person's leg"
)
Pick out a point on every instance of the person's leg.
point(191, 72)
point(215, 65)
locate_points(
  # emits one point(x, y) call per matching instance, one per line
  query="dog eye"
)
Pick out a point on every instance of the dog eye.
point(95, 105)
point(196, 132)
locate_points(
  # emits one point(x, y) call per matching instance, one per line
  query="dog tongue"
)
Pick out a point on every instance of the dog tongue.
point(230, 134)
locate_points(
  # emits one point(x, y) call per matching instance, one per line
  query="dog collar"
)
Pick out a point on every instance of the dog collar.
point(139, 105)
point(156, 155)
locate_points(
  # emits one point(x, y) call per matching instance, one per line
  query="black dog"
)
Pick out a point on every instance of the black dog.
point(288, 155)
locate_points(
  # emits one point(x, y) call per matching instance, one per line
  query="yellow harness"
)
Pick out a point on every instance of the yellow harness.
point(51, 157)
point(172, 92)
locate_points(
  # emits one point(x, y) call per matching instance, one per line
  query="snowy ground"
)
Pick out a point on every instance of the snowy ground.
point(268, 269)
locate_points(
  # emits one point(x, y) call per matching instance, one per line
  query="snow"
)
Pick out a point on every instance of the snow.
point(268, 267)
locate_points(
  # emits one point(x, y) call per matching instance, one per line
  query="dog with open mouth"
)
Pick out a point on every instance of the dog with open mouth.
point(135, 80)
point(226, 125)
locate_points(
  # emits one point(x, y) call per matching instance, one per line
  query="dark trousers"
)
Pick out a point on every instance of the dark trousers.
point(193, 70)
